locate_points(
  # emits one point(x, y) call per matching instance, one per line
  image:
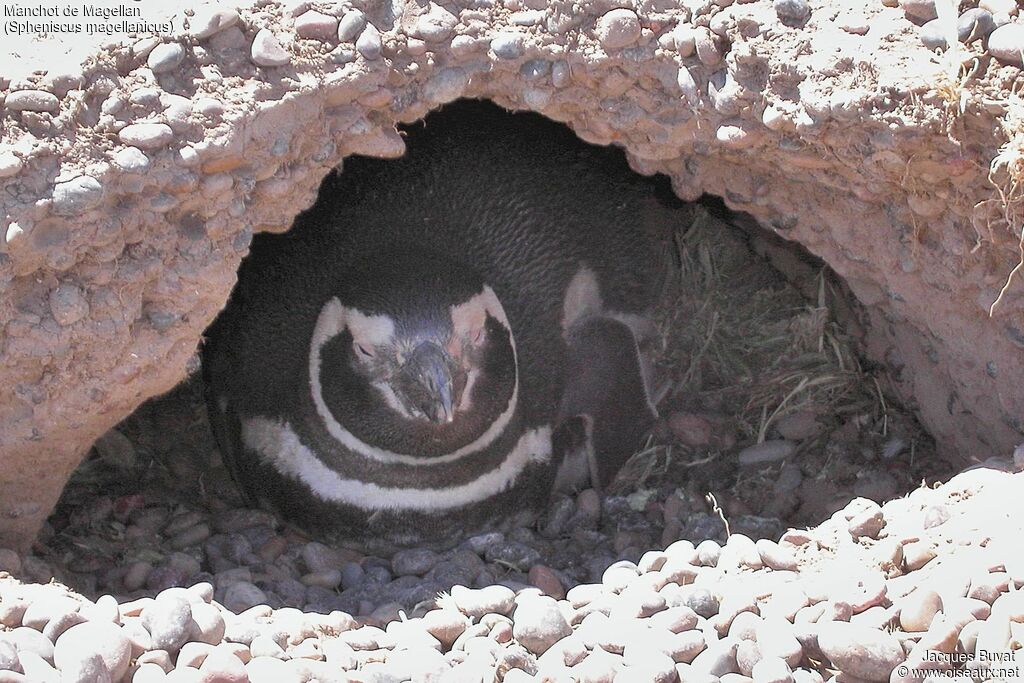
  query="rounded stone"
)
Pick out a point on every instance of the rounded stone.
point(919, 609)
point(775, 638)
point(445, 624)
point(32, 100)
point(266, 50)
point(436, 25)
point(242, 595)
point(703, 602)
point(508, 45)
point(89, 668)
point(81, 642)
point(267, 670)
point(76, 195)
point(351, 25)
point(538, 624)
point(149, 673)
point(146, 136)
point(547, 581)
point(922, 10)
point(210, 20)
point(798, 425)
point(8, 656)
point(131, 160)
point(325, 578)
point(414, 562)
point(766, 452)
point(868, 523)
point(165, 57)
point(10, 164)
point(68, 304)
point(706, 47)
point(222, 667)
point(718, 659)
point(209, 622)
point(27, 639)
point(618, 28)
point(168, 620)
point(369, 43)
point(513, 553)
point(772, 670)
point(860, 651)
point(974, 24)
point(792, 11)
point(1006, 44)
point(315, 25)
point(478, 602)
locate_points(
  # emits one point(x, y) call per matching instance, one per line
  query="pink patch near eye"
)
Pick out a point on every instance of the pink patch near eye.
point(362, 350)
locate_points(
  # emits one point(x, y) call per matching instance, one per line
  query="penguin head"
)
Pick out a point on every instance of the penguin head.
point(421, 356)
point(415, 348)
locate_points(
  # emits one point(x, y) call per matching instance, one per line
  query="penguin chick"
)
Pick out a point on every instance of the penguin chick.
point(606, 408)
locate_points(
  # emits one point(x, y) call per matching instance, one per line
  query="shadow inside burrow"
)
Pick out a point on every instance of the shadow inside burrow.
point(770, 418)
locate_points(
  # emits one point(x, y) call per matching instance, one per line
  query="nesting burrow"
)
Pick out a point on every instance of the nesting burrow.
point(804, 382)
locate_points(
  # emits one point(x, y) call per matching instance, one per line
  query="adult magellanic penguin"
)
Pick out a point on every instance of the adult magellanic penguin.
point(442, 334)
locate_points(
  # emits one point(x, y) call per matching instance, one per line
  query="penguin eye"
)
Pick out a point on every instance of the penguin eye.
point(362, 349)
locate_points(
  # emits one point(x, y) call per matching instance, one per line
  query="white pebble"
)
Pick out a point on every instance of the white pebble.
point(211, 19)
point(131, 160)
point(538, 623)
point(165, 57)
point(1006, 44)
point(10, 164)
point(618, 28)
point(369, 44)
point(316, 25)
point(32, 100)
point(96, 637)
point(76, 195)
point(267, 51)
point(351, 25)
point(860, 651)
point(436, 25)
point(146, 135)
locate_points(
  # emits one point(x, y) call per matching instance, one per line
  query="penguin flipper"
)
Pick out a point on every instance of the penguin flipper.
point(227, 432)
point(605, 410)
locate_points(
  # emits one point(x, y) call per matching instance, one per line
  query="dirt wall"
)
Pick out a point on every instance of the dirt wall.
point(131, 187)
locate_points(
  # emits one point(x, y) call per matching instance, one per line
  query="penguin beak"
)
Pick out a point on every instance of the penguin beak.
point(431, 367)
point(445, 412)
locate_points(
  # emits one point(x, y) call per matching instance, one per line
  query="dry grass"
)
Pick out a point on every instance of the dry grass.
point(741, 342)
point(739, 336)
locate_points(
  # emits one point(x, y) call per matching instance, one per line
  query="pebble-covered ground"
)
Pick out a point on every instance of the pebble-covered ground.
point(928, 582)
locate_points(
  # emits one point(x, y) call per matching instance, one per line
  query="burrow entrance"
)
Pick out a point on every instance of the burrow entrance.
point(770, 419)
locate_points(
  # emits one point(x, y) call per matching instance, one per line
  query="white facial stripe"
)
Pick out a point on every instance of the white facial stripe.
point(368, 330)
point(279, 445)
point(330, 323)
point(471, 315)
point(582, 298)
point(466, 402)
